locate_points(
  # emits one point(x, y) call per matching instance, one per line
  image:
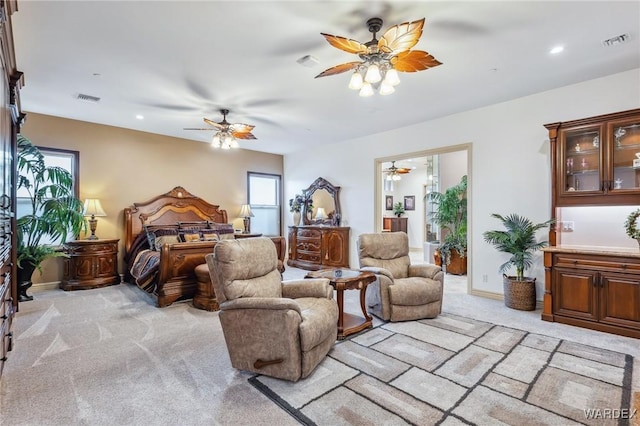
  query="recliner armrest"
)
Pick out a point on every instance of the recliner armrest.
point(378, 271)
point(426, 270)
point(267, 303)
point(308, 287)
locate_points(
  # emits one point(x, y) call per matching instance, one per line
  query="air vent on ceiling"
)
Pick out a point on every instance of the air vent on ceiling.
point(616, 40)
point(87, 98)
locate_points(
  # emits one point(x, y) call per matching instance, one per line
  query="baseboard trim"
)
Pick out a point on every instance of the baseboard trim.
point(53, 285)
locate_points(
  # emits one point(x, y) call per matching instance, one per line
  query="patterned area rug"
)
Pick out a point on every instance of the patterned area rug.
point(453, 370)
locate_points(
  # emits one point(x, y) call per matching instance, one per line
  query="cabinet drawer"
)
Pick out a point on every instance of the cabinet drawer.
point(308, 245)
point(309, 256)
point(309, 233)
point(72, 249)
point(572, 261)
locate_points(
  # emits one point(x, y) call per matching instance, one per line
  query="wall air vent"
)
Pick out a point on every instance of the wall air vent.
point(87, 98)
point(616, 40)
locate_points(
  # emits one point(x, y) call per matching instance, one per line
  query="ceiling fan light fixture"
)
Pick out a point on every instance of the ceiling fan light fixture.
point(373, 74)
point(215, 141)
point(391, 77)
point(386, 88)
point(356, 81)
point(366, 90)
point(381, 59)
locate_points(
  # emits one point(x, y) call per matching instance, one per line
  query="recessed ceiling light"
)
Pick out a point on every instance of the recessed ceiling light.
point(140, 117)
point(556, 50)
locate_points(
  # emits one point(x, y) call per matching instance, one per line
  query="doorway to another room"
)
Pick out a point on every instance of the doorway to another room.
point(403, 183)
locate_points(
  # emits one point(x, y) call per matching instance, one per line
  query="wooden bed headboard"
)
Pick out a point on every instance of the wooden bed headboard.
point(177, 205)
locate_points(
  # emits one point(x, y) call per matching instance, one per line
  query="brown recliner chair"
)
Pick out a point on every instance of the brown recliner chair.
point(279, 329)
point(402, 291)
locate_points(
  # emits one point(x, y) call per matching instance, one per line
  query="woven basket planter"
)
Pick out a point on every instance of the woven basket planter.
point(519, 295)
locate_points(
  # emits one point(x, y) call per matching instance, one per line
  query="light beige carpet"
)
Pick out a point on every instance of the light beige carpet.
point(110, 357)
point(456, 370)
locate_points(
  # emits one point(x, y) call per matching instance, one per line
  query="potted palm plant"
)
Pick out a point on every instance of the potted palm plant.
point(518, 240)
point(53, 214)
point(450, 213)
point(398, 209)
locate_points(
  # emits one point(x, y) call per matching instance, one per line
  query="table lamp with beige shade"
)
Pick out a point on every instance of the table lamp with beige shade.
point(93, 209)
point(246, 215)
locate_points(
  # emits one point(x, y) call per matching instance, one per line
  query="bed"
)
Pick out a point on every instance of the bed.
point(166, 271)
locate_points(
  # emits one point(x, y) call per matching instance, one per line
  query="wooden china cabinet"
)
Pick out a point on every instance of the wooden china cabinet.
point(595, 162)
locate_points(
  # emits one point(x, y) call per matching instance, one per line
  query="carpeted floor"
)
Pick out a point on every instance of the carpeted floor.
point(453, 369)
point(110, 357)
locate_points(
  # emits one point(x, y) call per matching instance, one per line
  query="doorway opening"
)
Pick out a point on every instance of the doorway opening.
point(402, 184)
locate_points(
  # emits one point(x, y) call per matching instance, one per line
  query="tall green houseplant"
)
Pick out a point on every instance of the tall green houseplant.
point(54, 212)
point(518, 239)
point(450, 213)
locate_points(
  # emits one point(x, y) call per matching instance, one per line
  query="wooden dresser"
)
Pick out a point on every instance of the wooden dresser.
point(318, 247)
point(91, 264)
point(593, 288)
point(394, 224)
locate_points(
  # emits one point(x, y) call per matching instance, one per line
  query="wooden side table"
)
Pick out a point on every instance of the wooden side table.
point(348, 279)
point(91, 264)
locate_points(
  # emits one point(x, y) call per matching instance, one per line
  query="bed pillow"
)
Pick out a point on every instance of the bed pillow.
point(165, 239)
point(208, 235)
point(188, 236)
point(153, 232)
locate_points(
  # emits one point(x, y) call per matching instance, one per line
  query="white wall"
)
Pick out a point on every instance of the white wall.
point(509, 168)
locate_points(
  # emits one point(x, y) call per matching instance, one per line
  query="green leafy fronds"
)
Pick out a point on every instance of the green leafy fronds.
point(518, 239)
point(54, 213)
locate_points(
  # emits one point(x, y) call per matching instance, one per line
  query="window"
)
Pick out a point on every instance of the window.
point(264, 196)
point(63, 158)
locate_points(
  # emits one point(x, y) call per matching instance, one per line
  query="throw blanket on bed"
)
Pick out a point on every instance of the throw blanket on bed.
point(145, 268)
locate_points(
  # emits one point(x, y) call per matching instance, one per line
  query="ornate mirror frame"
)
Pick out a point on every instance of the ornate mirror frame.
point(334, 191)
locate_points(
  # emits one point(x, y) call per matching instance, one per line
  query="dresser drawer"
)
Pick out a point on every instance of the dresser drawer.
point(96, 248)
point(595, 263)
point(309, 245)
point(313, 257)
point(309, 233)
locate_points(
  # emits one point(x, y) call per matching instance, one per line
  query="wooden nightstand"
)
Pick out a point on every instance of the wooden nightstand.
point(91, 264)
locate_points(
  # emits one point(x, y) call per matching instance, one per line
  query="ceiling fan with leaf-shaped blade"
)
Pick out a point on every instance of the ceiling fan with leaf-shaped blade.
point(381, 60)
point(393, 172)
point(226, 133)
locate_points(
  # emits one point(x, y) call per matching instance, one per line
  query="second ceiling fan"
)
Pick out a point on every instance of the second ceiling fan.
point(227, 133)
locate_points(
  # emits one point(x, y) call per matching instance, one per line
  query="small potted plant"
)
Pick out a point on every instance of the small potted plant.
point(295, 207)
point(518, 240)
point(398, 209)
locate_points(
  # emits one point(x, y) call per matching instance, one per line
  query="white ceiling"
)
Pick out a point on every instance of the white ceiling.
point(175, 62)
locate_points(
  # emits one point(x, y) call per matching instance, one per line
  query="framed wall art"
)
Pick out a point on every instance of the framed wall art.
point(388, 201)
point(410, 202)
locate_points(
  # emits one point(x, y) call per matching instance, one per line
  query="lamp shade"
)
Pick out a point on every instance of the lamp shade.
point(320, 213)
point(245, 211)
point(92, 207)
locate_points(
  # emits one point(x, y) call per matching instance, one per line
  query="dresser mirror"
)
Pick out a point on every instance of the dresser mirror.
point(324, 208)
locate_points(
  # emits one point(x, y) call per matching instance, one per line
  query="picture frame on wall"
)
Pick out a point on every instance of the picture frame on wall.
point(388, 201)
point(410, 202)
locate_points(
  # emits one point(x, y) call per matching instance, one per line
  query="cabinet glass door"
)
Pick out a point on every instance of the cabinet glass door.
point(625, 158)
point(582, 160)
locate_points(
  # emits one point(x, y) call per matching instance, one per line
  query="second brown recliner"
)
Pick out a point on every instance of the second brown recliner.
point(402, 291)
